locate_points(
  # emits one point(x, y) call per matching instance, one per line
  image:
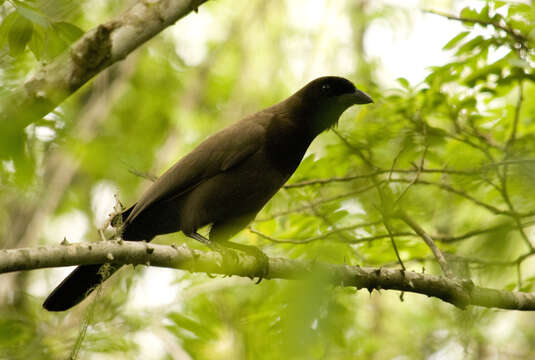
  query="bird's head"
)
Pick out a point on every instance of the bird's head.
point(323, 100)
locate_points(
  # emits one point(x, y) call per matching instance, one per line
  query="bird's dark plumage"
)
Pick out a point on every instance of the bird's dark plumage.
point(227, 179)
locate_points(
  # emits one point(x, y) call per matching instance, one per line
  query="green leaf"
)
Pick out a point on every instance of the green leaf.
point(469, 13)
point(19, 35)
point(451, 44)
point(53, 45)
point(471, 45)
point(403, 82)
point(67, 32)
point(37, 43)
point(6, 25)
point(31, 13)
point(499, 4)
point(14, 332)
point(484, 13)
point(519, 9)
point(195, 327)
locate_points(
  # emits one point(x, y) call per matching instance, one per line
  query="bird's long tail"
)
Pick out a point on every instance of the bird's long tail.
point(84, 279)
point(78, 285)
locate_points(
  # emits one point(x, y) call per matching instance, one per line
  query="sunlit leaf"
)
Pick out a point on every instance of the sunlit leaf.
point(19, 35)
point(455, 40)
point(68, 32)
point(31, 13)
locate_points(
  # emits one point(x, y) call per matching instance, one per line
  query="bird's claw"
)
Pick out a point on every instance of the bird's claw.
point(262, 260)
point(226, 253)
point(229, 257)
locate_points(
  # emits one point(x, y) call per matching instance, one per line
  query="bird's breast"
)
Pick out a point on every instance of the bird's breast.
point(285, 147)
point(241, 190)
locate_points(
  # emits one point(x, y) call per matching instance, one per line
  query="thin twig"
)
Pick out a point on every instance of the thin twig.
point(474, 172)
point(393, 242)
point(518, 37)
point(430, 243)
point(331, 180)
point(315, 238)
point(384, 206)
point(88, 319)
point(329, 223)
point(461, 193)
point(355, 149)
point(504, 175)
point(472, 233)
point(143, 174)
point(470, 260)
point(303, 208)
point(438, 237)
point(418, 168)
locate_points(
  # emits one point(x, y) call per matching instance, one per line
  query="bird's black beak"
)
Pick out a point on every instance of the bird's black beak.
point(355, 98)
point(360, 97)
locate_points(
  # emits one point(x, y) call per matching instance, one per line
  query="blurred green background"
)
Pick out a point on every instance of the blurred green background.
point(449, 140)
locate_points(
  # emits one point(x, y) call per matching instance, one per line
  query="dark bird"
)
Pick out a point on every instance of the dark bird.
point(225, 181)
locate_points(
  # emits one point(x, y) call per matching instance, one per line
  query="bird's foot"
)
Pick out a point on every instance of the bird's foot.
point(261, 259)
point(229, 256)
point(231, 259)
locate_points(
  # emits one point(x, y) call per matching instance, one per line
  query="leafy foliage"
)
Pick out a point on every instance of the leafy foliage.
point(27, 25)
point(455, 153)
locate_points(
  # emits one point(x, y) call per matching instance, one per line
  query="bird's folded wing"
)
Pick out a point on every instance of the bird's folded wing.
point(216, 154)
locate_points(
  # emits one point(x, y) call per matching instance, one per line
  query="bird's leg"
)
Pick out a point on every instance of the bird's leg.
point(199, 238)
point(261, 258)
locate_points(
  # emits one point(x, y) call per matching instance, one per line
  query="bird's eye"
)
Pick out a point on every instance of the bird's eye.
point(326, 90)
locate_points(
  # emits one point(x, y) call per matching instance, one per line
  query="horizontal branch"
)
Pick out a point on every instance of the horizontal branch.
point(440, 185)
point(321, 236)
point(381, 172)
point(457, 292)
point(473, 172)
point(442, 238)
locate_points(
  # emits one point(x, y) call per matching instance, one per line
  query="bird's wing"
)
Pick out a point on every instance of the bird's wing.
point(216, 154)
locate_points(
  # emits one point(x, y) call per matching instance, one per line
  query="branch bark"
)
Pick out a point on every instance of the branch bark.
point(96, 50)
point(457, 292)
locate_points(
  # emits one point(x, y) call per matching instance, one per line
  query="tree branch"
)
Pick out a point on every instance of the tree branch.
point(474, 172)
point(519, 38)
point(93, 52)
point(453, 291)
